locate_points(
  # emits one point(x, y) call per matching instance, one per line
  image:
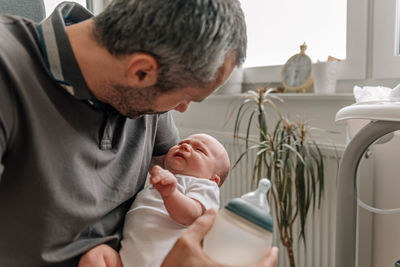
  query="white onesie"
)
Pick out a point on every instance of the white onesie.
point(149, 232)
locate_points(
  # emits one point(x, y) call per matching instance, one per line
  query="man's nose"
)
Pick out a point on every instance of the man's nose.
point(182, 107)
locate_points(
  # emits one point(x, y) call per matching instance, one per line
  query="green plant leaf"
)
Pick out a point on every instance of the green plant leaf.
point(287, 154)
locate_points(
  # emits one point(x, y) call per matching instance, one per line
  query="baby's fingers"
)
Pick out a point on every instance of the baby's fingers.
point(156, 170)
point(154, 179)
point(168, 180)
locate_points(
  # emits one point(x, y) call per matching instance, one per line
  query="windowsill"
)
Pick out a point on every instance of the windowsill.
point(319, 110)
point(293, 96)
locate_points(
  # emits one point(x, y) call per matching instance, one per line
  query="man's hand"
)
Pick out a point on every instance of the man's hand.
point(163, 180)
point(188, 250)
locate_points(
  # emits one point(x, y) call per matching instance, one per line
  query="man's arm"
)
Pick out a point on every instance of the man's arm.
point(188, 250)
point(166, 136)
point(8, 117)
point(181, 208)
point(2, 149)
point(157, 160)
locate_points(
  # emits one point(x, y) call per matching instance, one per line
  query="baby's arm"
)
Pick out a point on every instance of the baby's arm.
point(181, 208)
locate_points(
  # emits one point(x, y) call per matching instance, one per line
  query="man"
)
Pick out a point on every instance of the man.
point(83, 111)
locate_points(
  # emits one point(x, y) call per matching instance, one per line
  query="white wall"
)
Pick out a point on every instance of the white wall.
point(386, 235)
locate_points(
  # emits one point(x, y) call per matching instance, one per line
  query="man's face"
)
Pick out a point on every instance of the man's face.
point(152, 101)
point(137, 102)
point(198, 155)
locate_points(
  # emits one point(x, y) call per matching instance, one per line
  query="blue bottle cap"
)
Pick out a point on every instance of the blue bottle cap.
point(254, 206)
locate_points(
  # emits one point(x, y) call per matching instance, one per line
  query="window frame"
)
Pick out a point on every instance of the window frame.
point(88, 2)
point(386, 63)
point(355, 64)
point(96, 6)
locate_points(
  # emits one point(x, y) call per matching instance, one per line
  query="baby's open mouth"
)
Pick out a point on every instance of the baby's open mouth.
point(179, 154)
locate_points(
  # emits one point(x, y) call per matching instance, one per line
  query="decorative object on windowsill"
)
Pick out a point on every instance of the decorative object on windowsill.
point(288, 156)
point(296, 73)
point(233, 85)
point(325, 76)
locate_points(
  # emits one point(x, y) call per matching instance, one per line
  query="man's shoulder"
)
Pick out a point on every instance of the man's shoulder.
point(20, 54)
point(8, 19)
point(12, 24)
point(7, 24)
point(19, 42)
point(17, 30)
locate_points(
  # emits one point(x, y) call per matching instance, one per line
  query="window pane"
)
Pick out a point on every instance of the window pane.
point(276, 29)
point(397, 38)
point(51, 4)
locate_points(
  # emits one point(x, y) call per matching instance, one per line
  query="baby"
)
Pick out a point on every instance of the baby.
point(175, 198)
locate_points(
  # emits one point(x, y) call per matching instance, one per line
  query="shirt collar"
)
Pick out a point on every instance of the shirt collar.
point(57, 49)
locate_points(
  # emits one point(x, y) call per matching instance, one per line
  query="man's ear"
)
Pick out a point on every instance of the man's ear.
point(142, 70)
point(216, 178)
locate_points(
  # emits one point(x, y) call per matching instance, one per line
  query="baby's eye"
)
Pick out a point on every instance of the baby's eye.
point(200, 150)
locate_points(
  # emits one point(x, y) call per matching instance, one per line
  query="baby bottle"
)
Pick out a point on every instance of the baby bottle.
point(242, 232)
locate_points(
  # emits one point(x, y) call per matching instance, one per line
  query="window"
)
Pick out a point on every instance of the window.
point(96, 6)
point(347, 22)
point(350, 35)
point(398, 28)
point(276, 29)
point(386, 56)
point(51, 4)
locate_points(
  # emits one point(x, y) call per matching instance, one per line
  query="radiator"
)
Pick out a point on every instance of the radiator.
point(320, 231)
point(319, 250)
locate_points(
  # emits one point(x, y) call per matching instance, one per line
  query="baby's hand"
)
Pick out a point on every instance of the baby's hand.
point(163, 180)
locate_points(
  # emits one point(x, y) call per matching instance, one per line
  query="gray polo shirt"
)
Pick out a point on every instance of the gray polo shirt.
point(69, 165)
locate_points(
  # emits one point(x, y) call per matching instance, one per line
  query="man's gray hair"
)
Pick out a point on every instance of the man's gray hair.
point(188, 38)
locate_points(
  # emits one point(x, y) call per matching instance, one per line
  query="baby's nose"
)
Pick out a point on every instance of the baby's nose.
point(185, 147)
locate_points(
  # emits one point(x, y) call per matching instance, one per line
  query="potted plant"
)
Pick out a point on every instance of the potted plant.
point(288, 156)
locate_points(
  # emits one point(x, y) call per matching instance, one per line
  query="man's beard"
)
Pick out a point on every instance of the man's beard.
point(135, 103)
point(138, 114)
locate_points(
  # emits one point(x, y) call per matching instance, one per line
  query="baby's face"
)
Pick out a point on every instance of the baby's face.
point(197, 155)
